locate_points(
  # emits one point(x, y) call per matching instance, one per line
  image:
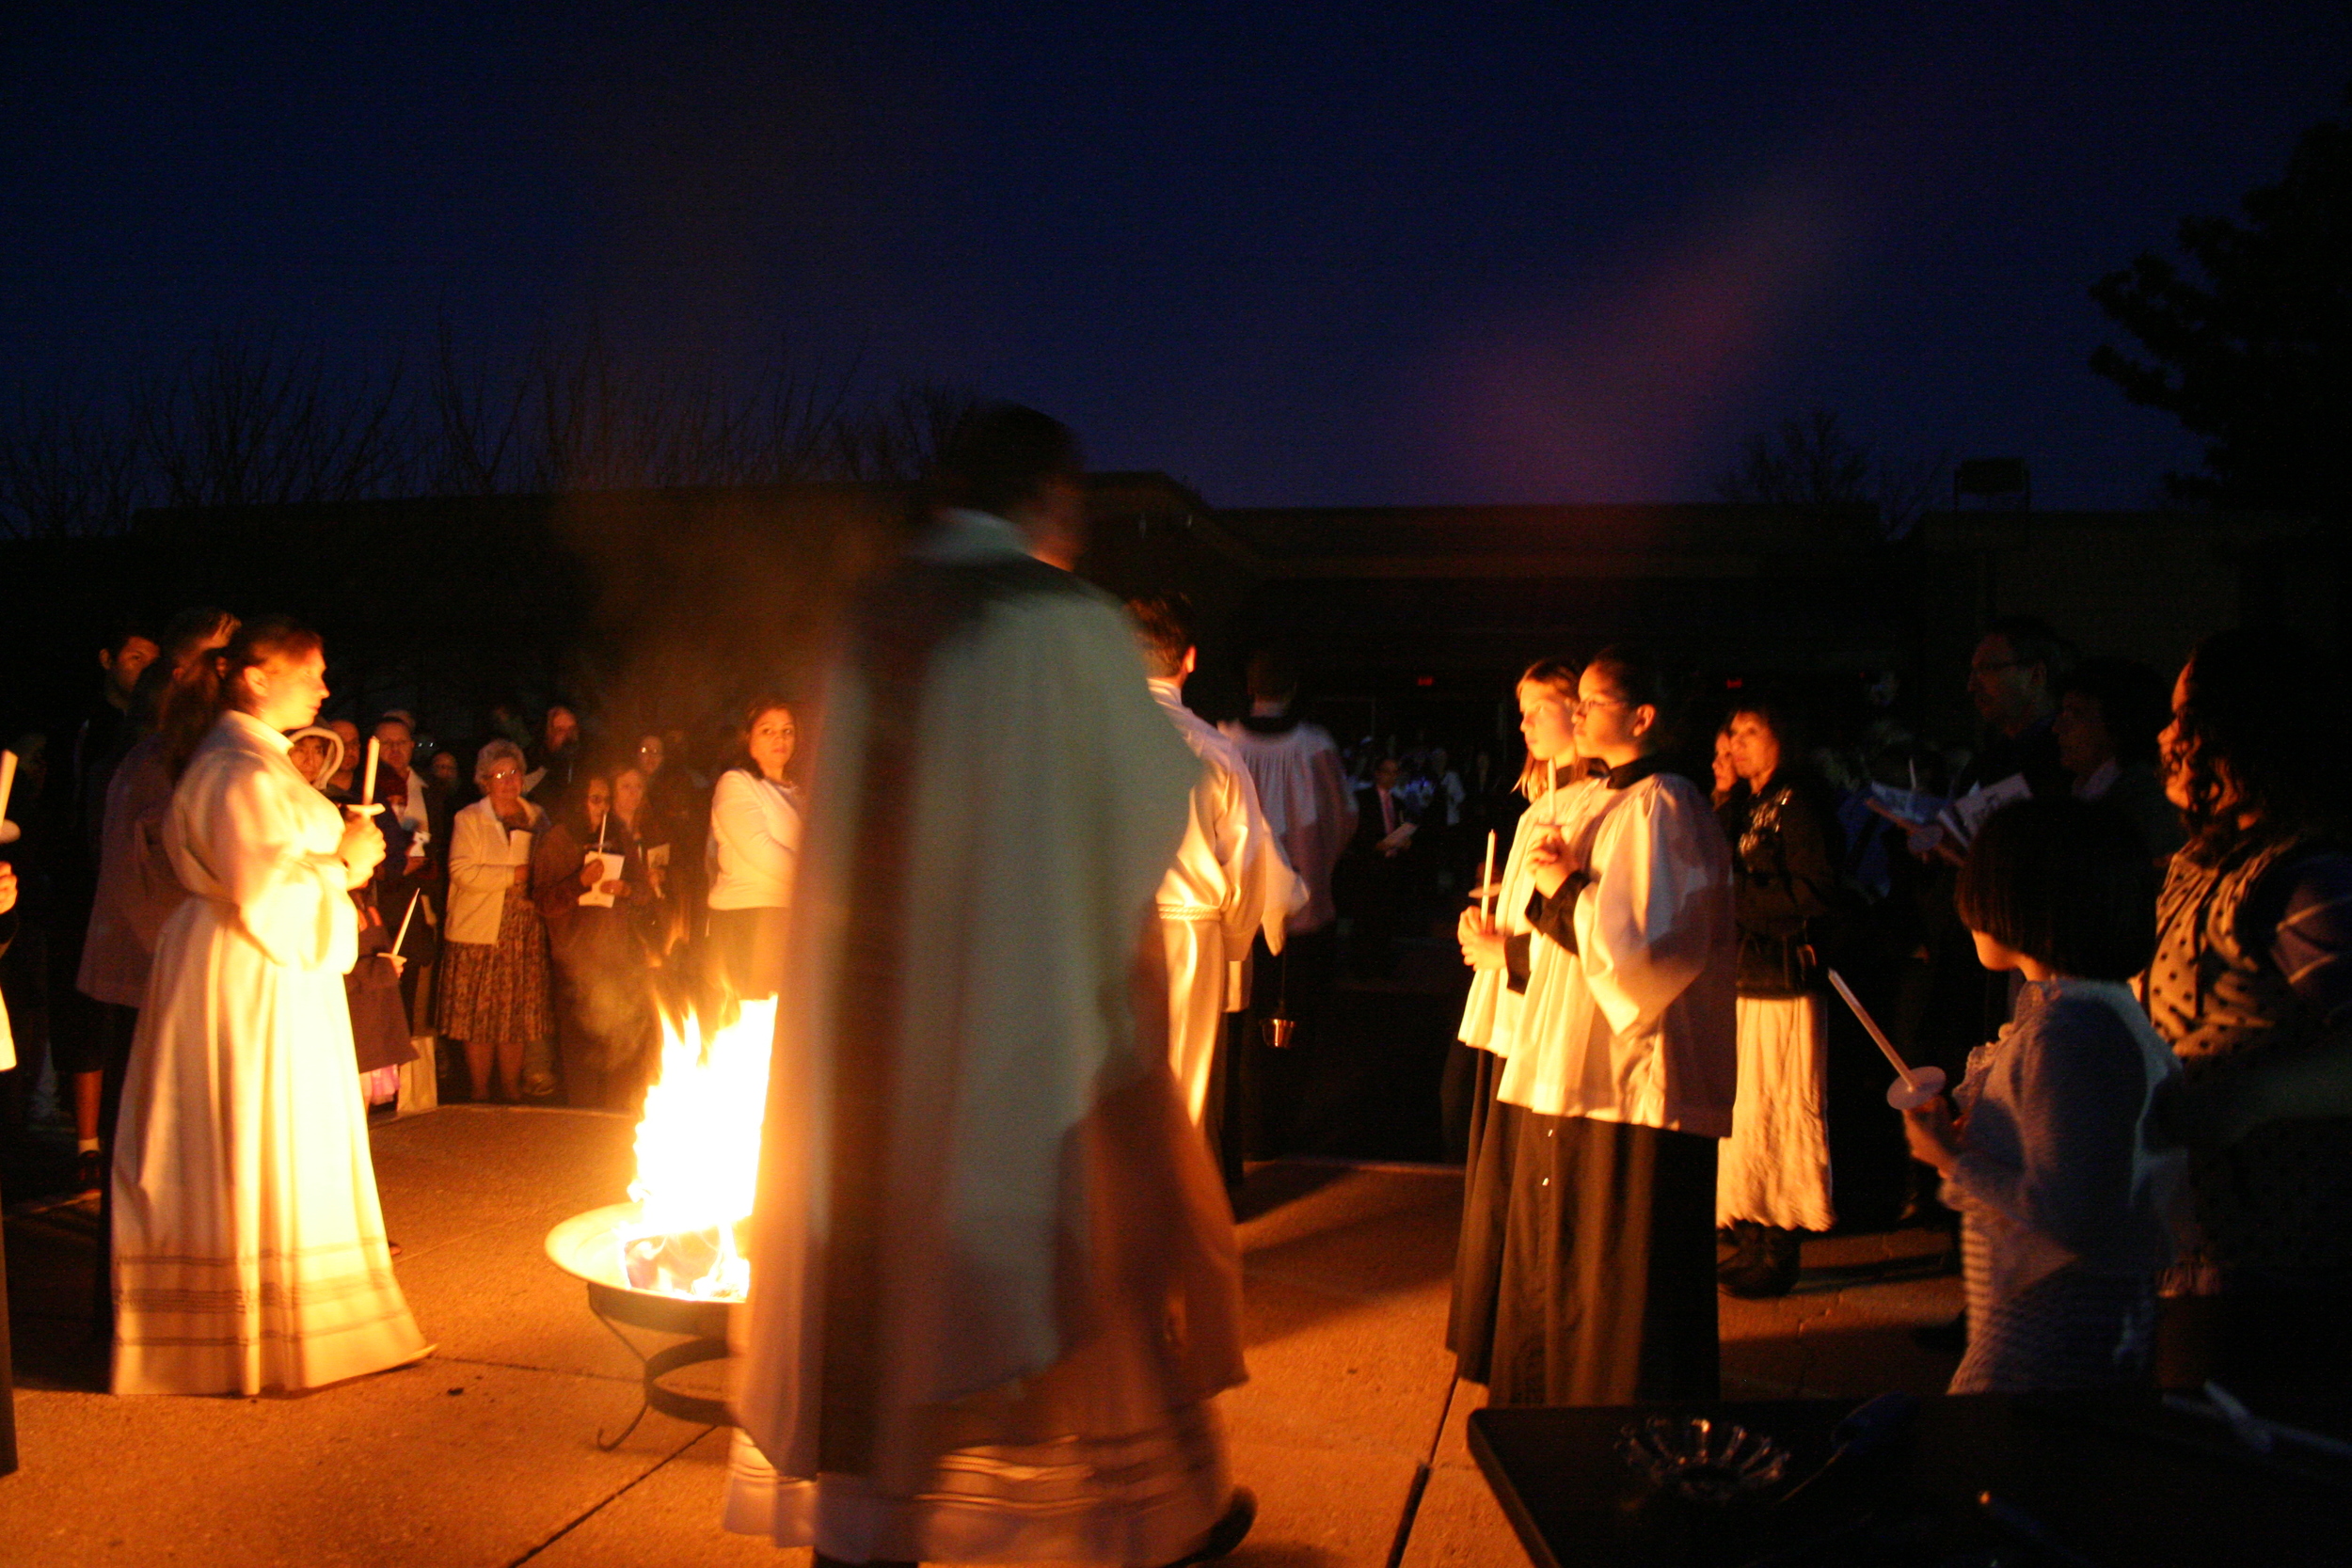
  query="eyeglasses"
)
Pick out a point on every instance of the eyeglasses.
point(506, 774)
point(1584, 705)
point(1987, 665)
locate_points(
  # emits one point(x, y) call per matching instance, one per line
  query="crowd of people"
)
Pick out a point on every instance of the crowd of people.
point(2140, 1010)
point(539, 896)
point(995, 1280)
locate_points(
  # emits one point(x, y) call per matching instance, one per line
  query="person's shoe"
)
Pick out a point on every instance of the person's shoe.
point(1779, 1260)
point(1226, 1533)
point(89, 1172)
point(1949, 1338)
point(1747, 1246)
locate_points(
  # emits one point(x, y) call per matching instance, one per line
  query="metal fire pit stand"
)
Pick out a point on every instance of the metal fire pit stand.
point(704, 1323)
point(586, 1247)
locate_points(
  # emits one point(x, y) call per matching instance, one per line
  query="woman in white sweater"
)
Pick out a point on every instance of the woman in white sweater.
point(495, 994)
point(754, 847)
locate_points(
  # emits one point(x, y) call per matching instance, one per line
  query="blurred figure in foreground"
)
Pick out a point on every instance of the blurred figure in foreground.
point(996, 1284)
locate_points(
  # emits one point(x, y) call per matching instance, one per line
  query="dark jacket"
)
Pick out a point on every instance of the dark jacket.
point(1787, 896)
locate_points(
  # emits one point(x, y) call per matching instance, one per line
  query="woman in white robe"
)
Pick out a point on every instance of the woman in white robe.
point(1619, 1081)
point(248, 1245)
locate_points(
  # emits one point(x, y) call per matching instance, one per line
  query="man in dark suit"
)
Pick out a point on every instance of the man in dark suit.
point(1375, 881)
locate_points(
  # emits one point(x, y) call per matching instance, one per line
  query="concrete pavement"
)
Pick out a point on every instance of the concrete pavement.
point(1351, 1430)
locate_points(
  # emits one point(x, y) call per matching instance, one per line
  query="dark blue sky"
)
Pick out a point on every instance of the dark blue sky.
point(1290, 253)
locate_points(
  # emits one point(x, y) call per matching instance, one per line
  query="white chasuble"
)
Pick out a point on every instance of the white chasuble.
point(1638, 1025)
point(1229, 882)
point(248, 1245)
point(994, 1283)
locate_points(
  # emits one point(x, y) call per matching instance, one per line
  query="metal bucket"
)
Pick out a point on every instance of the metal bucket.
point(1279, 1032)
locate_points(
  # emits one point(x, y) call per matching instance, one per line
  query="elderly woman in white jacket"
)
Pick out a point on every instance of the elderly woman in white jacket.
point(495, 991)
point(754, 847)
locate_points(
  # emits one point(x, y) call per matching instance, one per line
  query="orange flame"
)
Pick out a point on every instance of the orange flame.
point(698, 1157)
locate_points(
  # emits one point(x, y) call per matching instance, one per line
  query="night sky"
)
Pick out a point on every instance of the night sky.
point(1293, 253)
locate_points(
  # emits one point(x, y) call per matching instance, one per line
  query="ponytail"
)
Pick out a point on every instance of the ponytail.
point(215, 682)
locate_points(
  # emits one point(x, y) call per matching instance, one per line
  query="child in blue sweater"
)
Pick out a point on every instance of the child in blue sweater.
point(2064, 1202)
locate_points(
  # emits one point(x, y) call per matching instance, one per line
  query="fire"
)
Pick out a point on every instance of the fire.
point(698, 1158)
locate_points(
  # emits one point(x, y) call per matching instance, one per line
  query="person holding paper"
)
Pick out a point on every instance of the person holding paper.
point(588, 876)
point(248, 1242)
point(496, 993)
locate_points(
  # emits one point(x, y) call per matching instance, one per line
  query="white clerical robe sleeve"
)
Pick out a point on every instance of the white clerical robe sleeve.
point(1646, 927)
point(1264, 893)
point(292, 896)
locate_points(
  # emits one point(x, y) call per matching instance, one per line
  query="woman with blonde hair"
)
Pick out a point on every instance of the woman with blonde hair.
point(1506, 964)
point(249, 1242)
point(495, 991)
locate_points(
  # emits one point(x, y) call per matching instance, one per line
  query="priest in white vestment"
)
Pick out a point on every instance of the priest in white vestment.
point(994, 1284)
point(1229, 882)
point(248, 1243)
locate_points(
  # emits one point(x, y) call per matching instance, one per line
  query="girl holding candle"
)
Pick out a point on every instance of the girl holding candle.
point(248, 1242)
point(2050, 1159)
point(1503, 956)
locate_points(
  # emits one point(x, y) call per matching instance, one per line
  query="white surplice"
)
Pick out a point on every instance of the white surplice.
point(248, 1243)
point(1229, 882)
point(1047, 1287)
point(1491, 1012)
point(1638, 1025)
point(1303, 790)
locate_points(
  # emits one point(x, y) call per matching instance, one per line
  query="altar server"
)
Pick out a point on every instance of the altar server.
point(994, 1284)
point(248, 1245)
point(1622, 1074)
point(1509, 964)
point(1301, 783)
point(1229, 882)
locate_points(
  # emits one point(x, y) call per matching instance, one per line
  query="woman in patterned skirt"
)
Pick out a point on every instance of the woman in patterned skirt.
point(495, 991)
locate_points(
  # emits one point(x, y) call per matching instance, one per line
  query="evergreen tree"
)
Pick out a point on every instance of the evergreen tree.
point(2252, 348)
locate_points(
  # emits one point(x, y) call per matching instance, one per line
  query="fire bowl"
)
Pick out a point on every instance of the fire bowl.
point(588, 1248)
